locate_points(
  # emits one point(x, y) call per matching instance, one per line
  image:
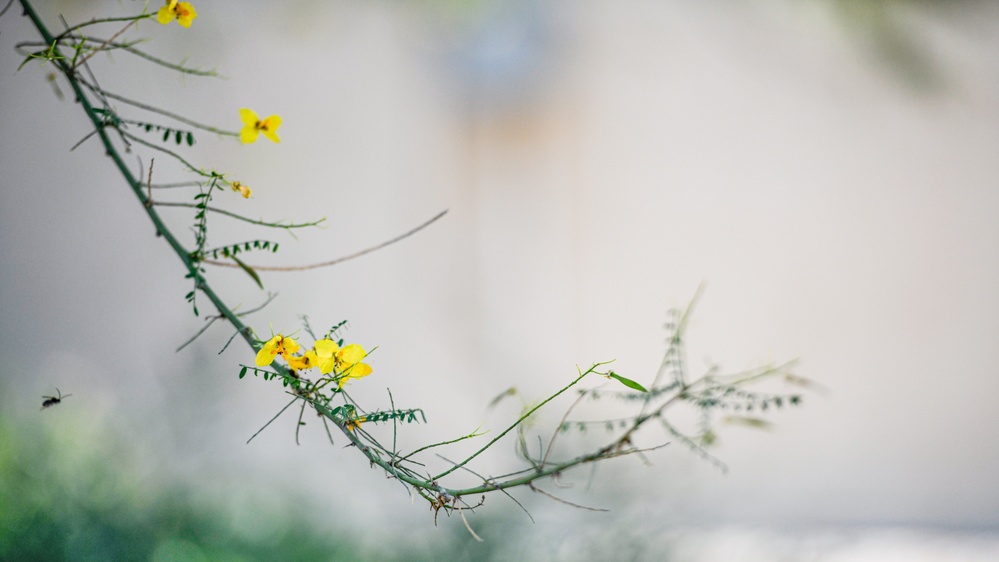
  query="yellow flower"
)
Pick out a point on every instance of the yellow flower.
point(346, 360)
point(302, 362)
point(183, 12)
point(253, 126)
point(243, 189)
point(278, 344)
point(356, 422)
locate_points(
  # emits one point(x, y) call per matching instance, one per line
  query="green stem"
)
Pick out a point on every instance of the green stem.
point(92, 22)
point(162, 112)
point(515, 424)
point(142, 54)
point(241, 217)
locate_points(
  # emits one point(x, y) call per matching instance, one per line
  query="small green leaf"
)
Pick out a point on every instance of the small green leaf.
point(756, 423)
point(190, 138)
point(627, 382)
point(148, 127)
point(29, 58)
point(179, 136)
point(249, 271)
point(166, 134)
point(242, 372)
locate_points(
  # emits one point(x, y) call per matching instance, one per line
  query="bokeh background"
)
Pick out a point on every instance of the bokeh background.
point(828, 168)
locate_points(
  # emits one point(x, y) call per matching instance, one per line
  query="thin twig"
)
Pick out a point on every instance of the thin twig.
point(226, 346)
point(425, 447)
point(558, 428)
point(298, 426)
point(461, 512)
point(101, 20)
point(327, 426)
point(276, 416)
point(130, 49)
point(149, 182)
point(210, 320)
point(176, 184)
point(83, 140)
point(519, 421)
point(567, 502)
point(102, 45)
point(240, 217)
point(394, 421)
point(179, 158)
point(163, 112)
point(491, 480)
point(5, 8)
point(337, 260)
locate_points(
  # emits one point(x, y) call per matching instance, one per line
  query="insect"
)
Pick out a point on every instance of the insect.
point(53, 400)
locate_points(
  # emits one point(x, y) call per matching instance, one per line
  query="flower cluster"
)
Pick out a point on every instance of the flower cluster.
point(183, 12)
point(343, 362)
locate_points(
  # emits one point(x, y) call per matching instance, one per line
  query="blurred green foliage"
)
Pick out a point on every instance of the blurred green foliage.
point(69, 497)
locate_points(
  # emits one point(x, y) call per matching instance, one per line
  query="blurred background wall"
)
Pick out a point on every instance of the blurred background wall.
point(828, 168)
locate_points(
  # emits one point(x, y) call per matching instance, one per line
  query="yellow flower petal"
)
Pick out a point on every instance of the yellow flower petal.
point(289, 346)
point(185, 14)
point(165, 15)
point(249, 134)
point(326, 348)
point(359, 370)
point(268, 352)
point(249, 117)
point(351, 354)
point(351, 424)
point(356, 371)
point(271, 123)
point(269, 127)
point(327, 366)
point(326, 353)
